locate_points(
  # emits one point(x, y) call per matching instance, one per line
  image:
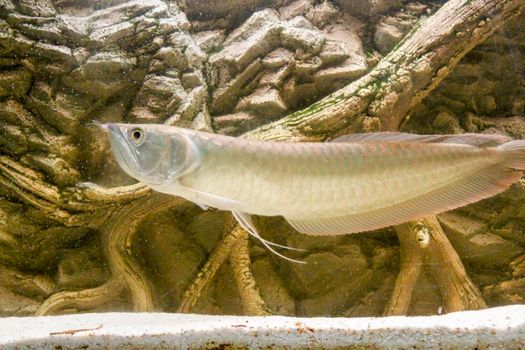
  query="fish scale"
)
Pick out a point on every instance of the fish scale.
point(317, 182)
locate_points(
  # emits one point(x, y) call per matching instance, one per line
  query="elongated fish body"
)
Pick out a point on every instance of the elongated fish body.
point(357, 183)
point(302, 180)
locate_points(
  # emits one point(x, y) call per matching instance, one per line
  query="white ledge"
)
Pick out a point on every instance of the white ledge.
point(502, 327)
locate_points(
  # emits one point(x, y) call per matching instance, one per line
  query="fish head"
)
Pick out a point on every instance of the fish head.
point(153, 154)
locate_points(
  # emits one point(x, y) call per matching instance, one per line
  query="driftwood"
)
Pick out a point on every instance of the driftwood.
point(380, 100)
point(424, 244)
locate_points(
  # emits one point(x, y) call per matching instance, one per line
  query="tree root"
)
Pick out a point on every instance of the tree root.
point(411, 262)
point(210, 268)
point(86, 205)
point(89, 195)
point(83, 197)
point(119, 234)
point(458, 291)
point(425, 245)
point(51, 210)
point(84, 299)
point(252, 302)
point(234, 246)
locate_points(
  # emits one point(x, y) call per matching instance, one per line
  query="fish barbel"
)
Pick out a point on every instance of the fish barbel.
point(355, 183)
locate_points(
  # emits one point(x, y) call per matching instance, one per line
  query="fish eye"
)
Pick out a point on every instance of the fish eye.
point(137, 136)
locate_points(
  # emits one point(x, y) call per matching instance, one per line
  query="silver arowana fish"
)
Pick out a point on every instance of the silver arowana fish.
point(355, 183)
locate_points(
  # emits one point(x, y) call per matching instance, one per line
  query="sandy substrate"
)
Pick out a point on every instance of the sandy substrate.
point(502, 327)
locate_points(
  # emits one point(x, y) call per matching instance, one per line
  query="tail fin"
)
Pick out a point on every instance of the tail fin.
point(515, 152)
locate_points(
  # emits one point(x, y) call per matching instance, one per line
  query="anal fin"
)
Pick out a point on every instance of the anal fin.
point(481, 184)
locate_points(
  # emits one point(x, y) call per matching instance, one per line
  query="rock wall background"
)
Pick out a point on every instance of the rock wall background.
point(228, 67)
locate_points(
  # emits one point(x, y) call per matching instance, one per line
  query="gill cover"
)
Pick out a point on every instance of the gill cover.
point(185, 156)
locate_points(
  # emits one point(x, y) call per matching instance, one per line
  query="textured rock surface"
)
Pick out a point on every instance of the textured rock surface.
point(277, 61)
point(474, 241)
point(226, 67)
point(64, 64)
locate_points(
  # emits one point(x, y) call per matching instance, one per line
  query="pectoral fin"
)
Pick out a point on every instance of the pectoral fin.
point(199, 197)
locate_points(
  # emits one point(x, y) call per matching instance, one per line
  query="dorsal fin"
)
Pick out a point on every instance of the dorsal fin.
point(480, 140)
